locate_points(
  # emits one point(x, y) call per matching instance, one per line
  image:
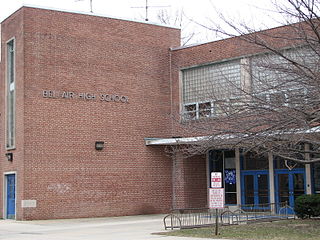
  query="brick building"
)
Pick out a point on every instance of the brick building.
point(86, 109)
point(77, 80)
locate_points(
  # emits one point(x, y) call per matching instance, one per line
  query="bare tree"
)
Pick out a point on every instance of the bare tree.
point(178, 19)
point(277, 108)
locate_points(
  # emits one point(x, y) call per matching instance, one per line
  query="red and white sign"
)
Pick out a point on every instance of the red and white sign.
point(216, 198)
point(216, 180)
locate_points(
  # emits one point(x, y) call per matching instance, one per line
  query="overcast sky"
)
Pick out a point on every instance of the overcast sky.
point(198, 10)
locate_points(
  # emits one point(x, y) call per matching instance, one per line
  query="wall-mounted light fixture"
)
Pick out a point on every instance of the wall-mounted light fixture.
point(99, 145)
point(9, 156)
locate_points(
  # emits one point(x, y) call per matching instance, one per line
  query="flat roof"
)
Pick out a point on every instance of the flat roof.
point(90, 14)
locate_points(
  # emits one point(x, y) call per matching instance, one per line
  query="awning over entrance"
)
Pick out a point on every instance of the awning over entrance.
point(174, 140)
point(229, 137)
point(187, 140)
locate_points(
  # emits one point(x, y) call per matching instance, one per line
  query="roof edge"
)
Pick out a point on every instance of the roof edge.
point(90, 14)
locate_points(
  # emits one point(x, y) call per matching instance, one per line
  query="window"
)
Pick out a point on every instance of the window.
point(230, 177)
point(224, 162)
point(10, 89)
point(294, 98)
point(209, 109)
point(190, 111)
point(207, 89)
point(253, 161)
point(297, 97)
point(271, 72)
point(205, 110)
point(316, 175)
point(281, 163)
point(316, 168)
point(197, 111)
point(277, 83)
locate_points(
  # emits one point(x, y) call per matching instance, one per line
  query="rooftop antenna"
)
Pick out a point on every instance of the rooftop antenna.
point(90, 4)
point(147, 7)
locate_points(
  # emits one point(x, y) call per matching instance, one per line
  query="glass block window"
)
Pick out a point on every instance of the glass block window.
point(272, 72)
point(276, 82)
point(212, 82)
point(265, 77)
point(207, 90)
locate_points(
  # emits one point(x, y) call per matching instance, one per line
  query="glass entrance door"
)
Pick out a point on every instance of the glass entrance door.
point(255, 188)
point(283, 190)
point(289, 185)
point(298, 185)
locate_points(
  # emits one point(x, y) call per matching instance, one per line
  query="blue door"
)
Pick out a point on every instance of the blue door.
point(255, 189)
point(289, 185)
point(11, 196)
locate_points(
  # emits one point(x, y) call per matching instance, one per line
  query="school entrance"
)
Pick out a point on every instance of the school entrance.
point(262, 180)
point(255, 188)
point(289, 185)
point(289, 182)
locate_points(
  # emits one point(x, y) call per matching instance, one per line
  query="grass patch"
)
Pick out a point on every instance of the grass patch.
point(281, 230)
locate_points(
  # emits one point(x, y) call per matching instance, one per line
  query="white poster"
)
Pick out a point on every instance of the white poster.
point(216, 198)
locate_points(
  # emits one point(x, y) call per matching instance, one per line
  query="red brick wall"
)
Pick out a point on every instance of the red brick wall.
point(190, 182)
point(235, 47)
point(13, 28)
point(196, 181)
point(88, 54)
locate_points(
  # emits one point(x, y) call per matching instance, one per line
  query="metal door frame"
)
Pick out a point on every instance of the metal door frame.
point(255, 174)
point(290, 174)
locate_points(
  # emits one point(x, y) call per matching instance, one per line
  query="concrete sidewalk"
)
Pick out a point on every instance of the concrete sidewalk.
point(113, 228)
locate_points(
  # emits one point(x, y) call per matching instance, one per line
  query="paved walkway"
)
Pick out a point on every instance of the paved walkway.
point(114, 228)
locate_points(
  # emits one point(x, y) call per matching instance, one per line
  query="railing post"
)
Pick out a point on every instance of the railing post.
point(217, 222)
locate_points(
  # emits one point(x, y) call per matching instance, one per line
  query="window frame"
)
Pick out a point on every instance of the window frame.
point(220, 157)
point(217, 108)
point(10, 117)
